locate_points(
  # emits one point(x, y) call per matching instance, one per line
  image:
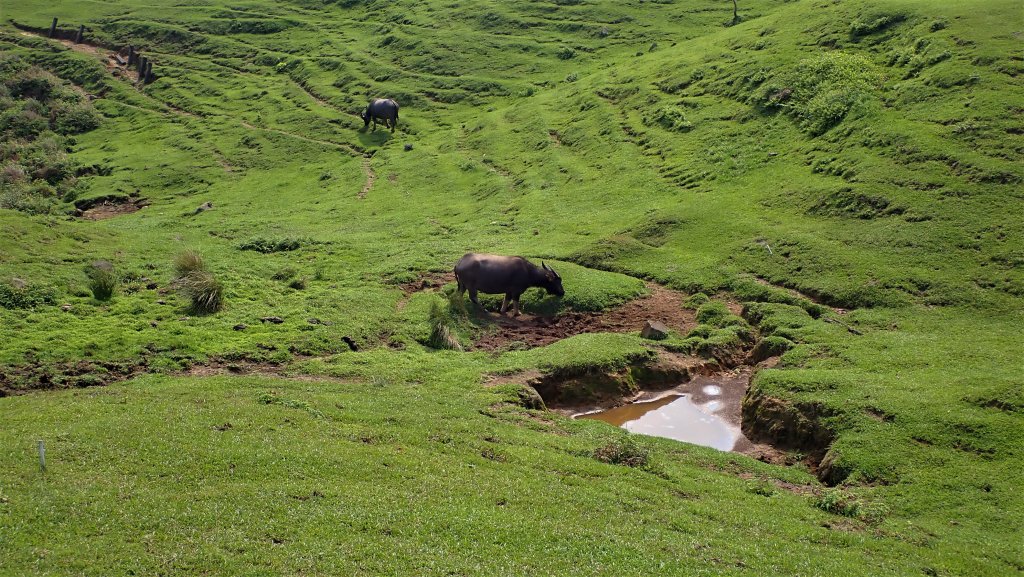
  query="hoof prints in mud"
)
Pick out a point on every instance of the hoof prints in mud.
point(528, 331)
point(502, 332)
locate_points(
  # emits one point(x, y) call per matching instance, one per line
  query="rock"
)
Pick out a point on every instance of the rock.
point(240, 327)
point(152, 286)
point(18, 283)
point(161, 302)
point(153, 324)
point(275, 320)
point(351, 343)
point(65, 308)
point(654, 330)
point(204, 207)
point(408, 147)
point(529, 398)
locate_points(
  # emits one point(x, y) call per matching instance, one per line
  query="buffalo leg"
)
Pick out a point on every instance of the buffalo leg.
point(472, 297)
point(504, 304)
point(515, 307)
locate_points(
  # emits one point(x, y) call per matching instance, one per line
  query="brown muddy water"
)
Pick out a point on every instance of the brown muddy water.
point(704, 411)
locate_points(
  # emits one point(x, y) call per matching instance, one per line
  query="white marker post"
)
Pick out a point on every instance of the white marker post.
point(42, 455)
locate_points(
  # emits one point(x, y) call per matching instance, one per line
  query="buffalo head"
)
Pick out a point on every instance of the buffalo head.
point(552, 282)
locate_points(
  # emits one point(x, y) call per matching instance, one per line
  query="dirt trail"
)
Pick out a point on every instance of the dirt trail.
point(371, 177)
point(83, 47)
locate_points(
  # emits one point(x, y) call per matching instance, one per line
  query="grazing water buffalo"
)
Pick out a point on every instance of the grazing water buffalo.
point(386, 110)
point(511, 275)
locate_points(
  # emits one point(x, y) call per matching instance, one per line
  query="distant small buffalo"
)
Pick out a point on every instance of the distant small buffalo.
point(512, 275)
point(383, 109)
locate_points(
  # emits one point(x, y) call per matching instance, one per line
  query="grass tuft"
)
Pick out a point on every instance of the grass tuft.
point(103, 280)
point(625, 451)
point(188, 262)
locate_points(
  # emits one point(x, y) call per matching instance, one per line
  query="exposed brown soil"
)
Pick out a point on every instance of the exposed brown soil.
point(66, 375)
point(799, 427)
point(528, 331)
point(111, 208)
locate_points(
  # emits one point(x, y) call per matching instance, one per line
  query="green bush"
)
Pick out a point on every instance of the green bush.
point(821, 91)
point(695, 301)
point(102, 280)
point(838, 502)
point(713, 313)
point(266, 245)
point(20, 295)
point(74, 118)
point(671, 118)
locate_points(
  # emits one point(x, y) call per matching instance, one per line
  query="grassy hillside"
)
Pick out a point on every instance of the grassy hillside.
point(851, 172)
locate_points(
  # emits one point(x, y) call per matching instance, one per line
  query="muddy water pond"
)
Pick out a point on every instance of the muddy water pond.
point(704, 411)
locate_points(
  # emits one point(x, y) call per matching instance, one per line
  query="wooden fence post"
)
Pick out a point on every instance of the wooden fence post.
point(131, 55)
point(149, 72)
point(81, 34)
point(53, 28)
point(142, 68)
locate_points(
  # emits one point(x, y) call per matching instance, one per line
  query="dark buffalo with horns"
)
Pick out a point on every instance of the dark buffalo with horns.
point(512, 275)
point(383, 109)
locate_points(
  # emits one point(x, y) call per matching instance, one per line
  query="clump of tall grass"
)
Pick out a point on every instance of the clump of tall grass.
point(204, 292)
point(443, 334)
point(102, 280)
point(624, 451)
point(188, 262)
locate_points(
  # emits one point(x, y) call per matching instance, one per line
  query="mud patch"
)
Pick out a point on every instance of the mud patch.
point(529, 331)
point(798, 427)
point(66, 375)
point(104, 208)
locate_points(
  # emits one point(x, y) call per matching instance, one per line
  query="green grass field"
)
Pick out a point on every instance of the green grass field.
point(849, 171)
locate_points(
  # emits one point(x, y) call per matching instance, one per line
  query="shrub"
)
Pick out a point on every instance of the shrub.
point(21, 295)
point(712, 313)
point(102, 280)
point(671, 118)
point(74, 118)
point(624, 451)
point(820, 91)
point(298, 284)
point(695, 301)
point(187, 263)
point(267, 245)
point(838, 502)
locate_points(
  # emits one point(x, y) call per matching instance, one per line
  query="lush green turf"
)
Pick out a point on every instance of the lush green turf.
point(865, 153)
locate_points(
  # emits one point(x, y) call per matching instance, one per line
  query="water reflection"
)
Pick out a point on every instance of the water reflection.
point(675, 417)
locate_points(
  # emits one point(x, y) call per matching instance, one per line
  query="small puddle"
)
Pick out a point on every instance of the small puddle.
point(673, 417)
point(704, 412)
